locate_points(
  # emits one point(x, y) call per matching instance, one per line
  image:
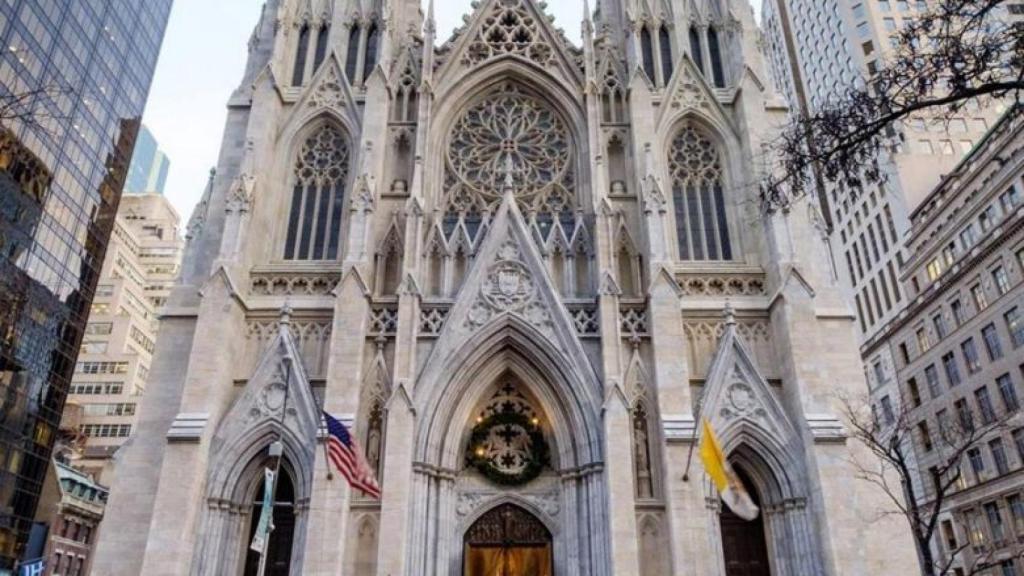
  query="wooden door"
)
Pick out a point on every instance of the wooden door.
point(744, 545)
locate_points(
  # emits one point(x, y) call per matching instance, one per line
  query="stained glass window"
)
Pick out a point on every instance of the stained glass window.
point(321, 174)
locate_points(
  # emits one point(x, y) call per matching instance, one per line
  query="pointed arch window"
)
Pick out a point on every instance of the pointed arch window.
point(370, 56)
point(665, 45)
point(647, 49)
point(318, 195)
point(299, 73)
point(702, 226)
point(352, 57)
point(715, 50)
point(279, 548)
point(696, 50)
point(321, 46)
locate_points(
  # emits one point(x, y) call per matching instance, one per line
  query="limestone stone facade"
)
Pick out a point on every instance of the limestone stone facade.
point(420, 237)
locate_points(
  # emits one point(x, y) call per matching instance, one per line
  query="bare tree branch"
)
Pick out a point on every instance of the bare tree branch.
point(954, 54)
point(892, 445)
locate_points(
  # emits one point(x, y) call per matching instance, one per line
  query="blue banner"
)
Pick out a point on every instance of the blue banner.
point(266, 524)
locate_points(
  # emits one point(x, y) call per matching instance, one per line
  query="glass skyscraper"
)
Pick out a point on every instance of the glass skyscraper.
point(74, 78)
point(148, 170)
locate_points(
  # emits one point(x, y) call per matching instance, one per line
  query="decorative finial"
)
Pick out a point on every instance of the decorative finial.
point(730, 314)
point(431, 25)
point(285, 317)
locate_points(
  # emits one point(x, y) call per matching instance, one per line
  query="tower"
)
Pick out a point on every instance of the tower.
point(521, 270)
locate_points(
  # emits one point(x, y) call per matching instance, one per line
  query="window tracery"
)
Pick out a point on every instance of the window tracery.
point(320, 176)
point(511, 132)
point(696, 167)
point(510, 28)
point(508, 138)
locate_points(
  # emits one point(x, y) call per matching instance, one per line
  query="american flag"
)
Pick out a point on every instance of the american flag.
point(346, 455)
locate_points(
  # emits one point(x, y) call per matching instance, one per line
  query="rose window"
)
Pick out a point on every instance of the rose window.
point(509, 138)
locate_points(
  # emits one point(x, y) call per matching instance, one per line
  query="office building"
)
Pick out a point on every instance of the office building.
point(149, 168)
point(142, 263)
point(959, 347)
point(81, 71)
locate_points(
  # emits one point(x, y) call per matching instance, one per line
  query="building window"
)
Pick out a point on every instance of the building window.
point(1018, 442)
point(321, 46)
point(887, 412)
point(1008, 392)
point(702, 226)
point(988, 413)
point(301, 50)
point(992, 343)
point(968, 237)
point(665, 45)
point(941, 330)
point(952, 370)
point(1015, 326)
point(977, 534)
point(977, 462)
point(988, 218)
point(923, 342)
point(934, 269)
point(370, 56)
point(102, 368)
point(715, 49)
point(964, 415)
point(1002, 281)
point(978, 294)
point(971, 355)
point(931, 375)
point(320, 174)
point(647, 47)
point(999, 456)
point(904, 353)
point(915, 393)
point(958, 312)
point(925, 435)
point(1006, 567)
point(995, 521)
point(99, 329)
point(696, 50)
point(1016, 507)
point(352, 59)
point(949, 535)
point(1009, 200)
point(880, 378)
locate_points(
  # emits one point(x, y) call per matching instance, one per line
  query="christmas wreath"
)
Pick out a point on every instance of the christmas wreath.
point(508, 448)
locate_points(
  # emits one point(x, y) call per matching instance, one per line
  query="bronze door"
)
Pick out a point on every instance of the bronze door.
point(508, 541)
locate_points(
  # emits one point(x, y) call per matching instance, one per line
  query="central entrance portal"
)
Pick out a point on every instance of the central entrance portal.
point(508, 541)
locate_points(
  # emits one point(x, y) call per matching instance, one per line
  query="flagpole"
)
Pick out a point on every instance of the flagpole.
point(277, 449)
point(689, 457)
point(323, 440)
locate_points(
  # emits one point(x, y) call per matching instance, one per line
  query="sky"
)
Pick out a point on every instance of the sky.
point(201, 64)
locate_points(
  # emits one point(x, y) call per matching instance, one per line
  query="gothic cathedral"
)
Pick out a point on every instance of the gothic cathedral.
point(523, 270)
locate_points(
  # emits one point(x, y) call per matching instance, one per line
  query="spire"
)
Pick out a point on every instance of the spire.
point(431, 25)
point(588, 20)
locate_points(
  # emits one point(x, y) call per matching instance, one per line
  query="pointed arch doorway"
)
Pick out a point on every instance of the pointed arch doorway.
point(508, 541)
point(744, 544)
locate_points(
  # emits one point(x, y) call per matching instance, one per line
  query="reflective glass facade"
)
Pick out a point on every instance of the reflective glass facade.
point(74, 77)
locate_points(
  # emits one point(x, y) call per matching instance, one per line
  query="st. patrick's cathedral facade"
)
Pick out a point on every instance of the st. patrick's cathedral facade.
point(523, 269)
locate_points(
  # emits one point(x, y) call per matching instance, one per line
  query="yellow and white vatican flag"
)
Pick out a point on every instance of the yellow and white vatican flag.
point(728, 483)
